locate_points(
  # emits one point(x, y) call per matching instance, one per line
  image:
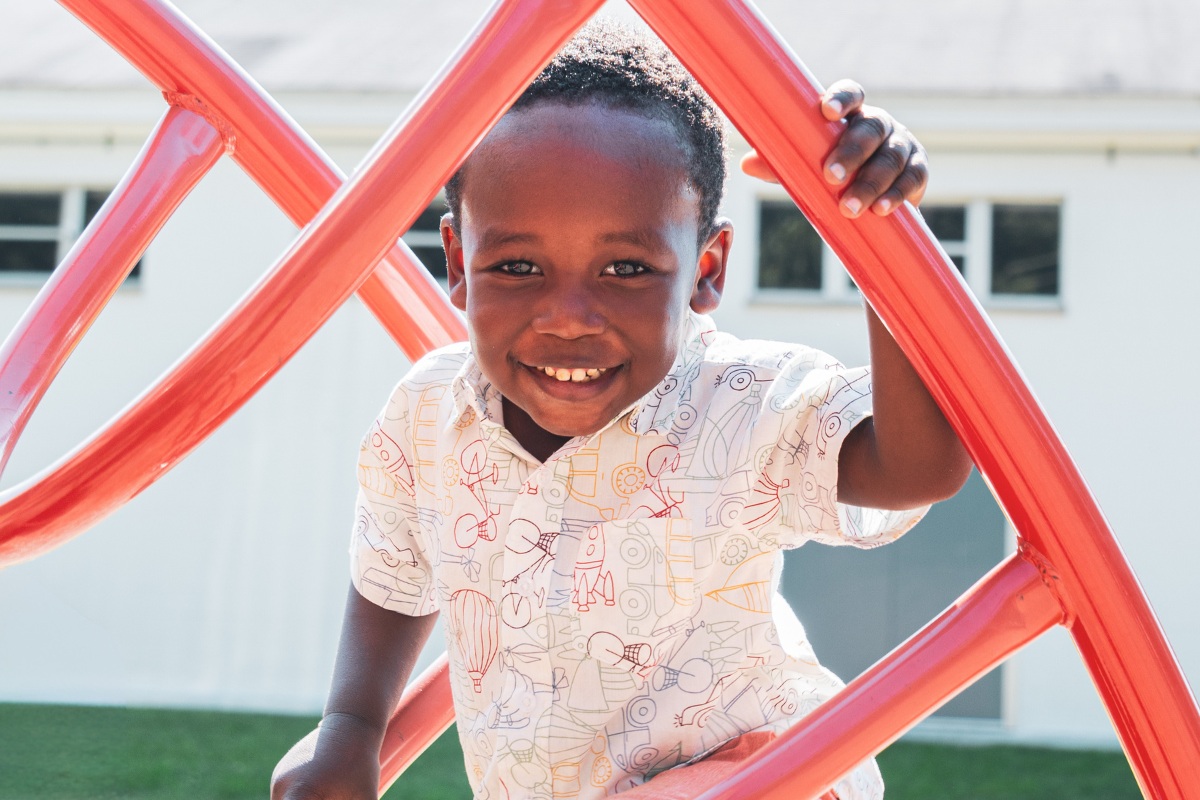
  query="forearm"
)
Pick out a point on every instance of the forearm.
point(340, 759)
point(906, 454)
point(376, 655)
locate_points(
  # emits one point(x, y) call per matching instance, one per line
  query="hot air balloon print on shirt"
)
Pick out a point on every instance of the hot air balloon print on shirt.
point(476, 631)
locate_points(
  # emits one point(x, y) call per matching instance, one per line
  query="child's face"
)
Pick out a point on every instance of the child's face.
point(578, 256)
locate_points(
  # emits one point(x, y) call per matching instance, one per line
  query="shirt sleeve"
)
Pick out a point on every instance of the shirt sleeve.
point(820, 401)
point(389, 553)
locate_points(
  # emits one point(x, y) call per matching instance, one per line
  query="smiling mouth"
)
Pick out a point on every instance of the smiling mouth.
point(573, 375)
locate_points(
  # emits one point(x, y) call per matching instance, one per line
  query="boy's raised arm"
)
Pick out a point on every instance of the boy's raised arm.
point(906, 455)
point(340, 759)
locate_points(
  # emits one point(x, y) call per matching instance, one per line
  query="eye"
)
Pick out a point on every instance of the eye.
point(626, 269)
point(518, 268)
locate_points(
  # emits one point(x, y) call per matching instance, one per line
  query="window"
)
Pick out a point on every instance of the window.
point(38, 227)
point(1025, 250)
point(425, 239)
point(1008, 252)
point(790, 249)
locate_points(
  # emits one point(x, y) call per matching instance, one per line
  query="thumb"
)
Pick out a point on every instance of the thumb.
point(753, 165)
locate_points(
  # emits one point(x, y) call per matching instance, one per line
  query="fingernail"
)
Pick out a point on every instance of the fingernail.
point(838, 172)
point(853, 205)
point(883, 206)
point(836, 105)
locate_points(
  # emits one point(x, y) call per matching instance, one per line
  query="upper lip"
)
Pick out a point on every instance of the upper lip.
point(570, 362)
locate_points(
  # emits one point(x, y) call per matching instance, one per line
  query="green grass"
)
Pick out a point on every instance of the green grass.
point(73, 753)
point(927, 771)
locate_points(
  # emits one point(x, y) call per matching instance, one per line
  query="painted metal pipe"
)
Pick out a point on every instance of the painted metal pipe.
point(281, 158)
point(179, 152)
point(1008, 608)
point(424, 712)
point(769, 96)
point(765, 91)
point(332, 256)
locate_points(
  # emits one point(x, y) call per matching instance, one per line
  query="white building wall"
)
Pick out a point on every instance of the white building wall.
point(222, 585)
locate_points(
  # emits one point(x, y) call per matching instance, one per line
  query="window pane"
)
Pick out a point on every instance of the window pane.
point(91, 204)
point(789, 248)
point(92, 200)
point(430, 219)
point(948, 223)
point(959, 261)
point(29, 208)
point(28, 256)
point(1025, 249)
point(434, 259)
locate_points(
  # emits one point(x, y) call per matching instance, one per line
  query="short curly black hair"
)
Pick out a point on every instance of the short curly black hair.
point(623, 68)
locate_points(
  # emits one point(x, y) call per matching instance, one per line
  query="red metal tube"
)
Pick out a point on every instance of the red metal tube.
point(1004, 611)
point(424, 712)
point(763, 88)
point(288, 165)
point(330, 259)
point(179, 152)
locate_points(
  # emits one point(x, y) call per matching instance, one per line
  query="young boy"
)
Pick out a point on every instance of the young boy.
point(594, 492)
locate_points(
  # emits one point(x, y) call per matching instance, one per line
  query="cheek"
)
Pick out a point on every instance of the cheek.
point(660, 332)
point(488, 330)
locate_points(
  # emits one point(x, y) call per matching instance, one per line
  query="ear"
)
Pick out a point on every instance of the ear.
point(456, 277)
point(710, 271)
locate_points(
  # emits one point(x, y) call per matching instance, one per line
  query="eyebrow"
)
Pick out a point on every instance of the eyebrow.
point(644, 238)
point(492, 238)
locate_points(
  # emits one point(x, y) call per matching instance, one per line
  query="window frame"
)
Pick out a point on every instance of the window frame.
point(431, 238)
point(975, 249)
point(71, 224)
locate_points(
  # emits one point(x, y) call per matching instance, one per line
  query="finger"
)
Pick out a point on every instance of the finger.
point(909, 186)
point(865, 133)
point(756, 167)
point(877, 176)
point(842, 99)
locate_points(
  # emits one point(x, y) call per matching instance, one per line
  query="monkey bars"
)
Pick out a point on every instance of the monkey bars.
point(1068, 569)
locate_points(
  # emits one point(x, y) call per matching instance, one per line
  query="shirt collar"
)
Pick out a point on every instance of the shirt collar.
point(653, 413)
point(657, 410)
point(474, 394)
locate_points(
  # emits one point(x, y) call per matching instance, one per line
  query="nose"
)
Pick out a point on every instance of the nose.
point(568, 309)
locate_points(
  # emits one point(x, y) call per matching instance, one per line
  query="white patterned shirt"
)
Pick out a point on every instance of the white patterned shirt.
point(612, 612)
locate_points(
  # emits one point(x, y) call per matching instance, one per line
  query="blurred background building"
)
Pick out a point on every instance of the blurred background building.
point(1062, 145)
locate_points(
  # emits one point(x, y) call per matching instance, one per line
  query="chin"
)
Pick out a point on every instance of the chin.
point(570, 431)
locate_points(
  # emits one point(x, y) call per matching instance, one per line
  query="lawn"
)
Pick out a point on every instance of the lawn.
point(73, 753)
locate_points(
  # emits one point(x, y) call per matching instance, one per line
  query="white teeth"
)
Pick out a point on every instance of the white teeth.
point(574, 375)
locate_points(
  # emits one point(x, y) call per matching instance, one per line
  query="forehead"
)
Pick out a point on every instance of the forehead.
point(584, 159)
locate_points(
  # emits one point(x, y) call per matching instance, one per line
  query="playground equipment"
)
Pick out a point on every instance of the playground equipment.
point(1068, 569)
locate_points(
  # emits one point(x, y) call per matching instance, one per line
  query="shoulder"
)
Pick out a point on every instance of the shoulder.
point(732, 363)
point(783, 380)
point(430, 378)
point(766, 355)
point(440, 366)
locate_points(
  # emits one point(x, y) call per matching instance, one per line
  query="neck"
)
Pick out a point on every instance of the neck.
point(540, 442)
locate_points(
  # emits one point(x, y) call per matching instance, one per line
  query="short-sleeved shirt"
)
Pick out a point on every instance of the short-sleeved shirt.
point(613, 612)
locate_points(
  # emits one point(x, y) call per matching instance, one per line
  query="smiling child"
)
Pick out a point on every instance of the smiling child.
point(594, 492)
